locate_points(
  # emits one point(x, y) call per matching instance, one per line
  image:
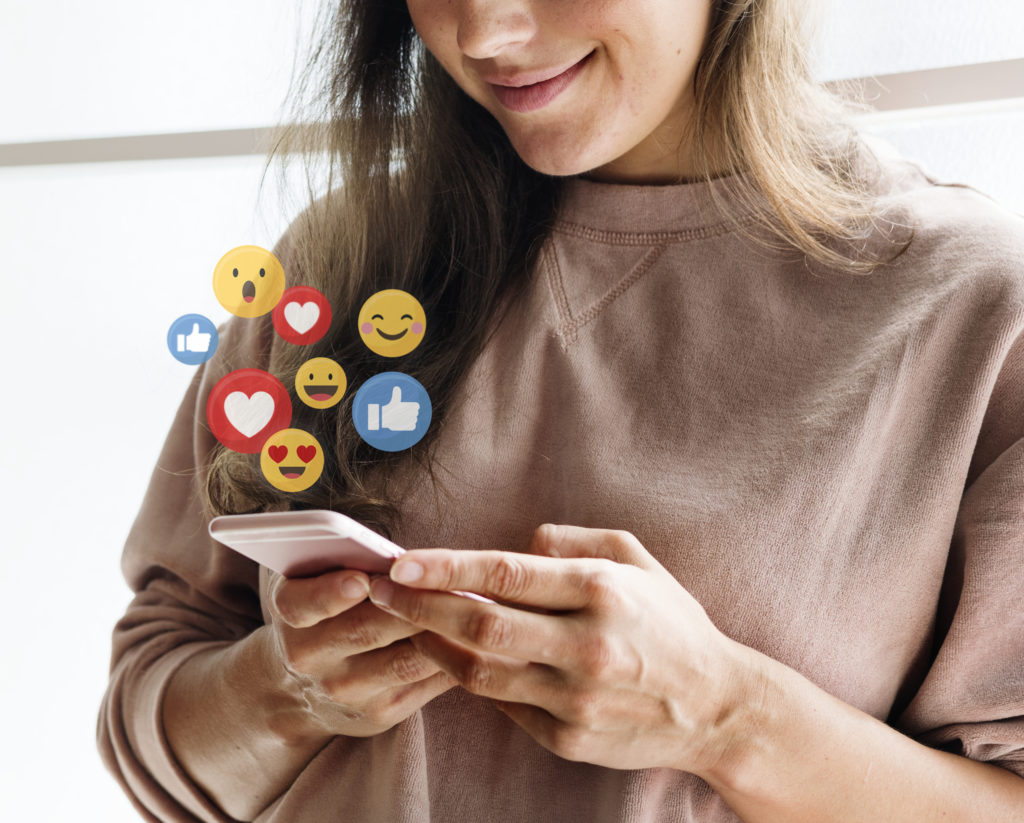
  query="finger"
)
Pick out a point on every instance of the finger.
point(360, 629)
point(489, 627)
point(553, 734)
point(513, 577)
point(303, 602)
point(490, 675)
point(398, 664)
point(551, 540)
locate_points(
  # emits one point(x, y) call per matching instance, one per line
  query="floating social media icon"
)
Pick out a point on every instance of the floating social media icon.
point(320, 382)
point(391, 411)
point(302, 316)
point(292, 460)
point(248, 281)
point(246, 407)
point(392, 323)
point(192, 339)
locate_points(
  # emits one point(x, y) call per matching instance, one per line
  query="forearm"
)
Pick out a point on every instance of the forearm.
point(236, 727)
point(801, 754)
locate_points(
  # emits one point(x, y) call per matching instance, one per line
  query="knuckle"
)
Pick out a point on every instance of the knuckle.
point(599, 585)
point(509, 578)
point(408, 665)
point(362, 633)
point(489, 630)
point(597, 656)
point(475, 675)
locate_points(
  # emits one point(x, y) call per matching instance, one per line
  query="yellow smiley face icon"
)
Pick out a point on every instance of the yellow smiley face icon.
point(248, 281)
point(320, 382)
point(292, 460)
point(392, 323)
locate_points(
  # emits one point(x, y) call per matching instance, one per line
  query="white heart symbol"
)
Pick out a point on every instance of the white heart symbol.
point(249, 414)
point(302, 316)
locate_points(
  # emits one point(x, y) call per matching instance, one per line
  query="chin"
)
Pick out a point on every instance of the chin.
point(560, 160)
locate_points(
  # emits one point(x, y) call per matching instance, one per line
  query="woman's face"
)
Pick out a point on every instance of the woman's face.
point(610, 81)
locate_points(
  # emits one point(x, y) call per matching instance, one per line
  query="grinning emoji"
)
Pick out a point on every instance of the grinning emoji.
point(292, 460)
point(320, 382)
point(248, 281)
point(392, 323)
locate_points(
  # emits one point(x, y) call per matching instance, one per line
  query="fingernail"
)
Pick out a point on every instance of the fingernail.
point(381, 591)
point(406, 572)
point(354, 587)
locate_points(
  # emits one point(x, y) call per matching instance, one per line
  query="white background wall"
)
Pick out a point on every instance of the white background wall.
point(98, 259)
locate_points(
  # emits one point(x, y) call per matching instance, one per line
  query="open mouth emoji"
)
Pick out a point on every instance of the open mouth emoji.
point(292, 460)
point(392, 323)
point(248, 281)
point(320, 382)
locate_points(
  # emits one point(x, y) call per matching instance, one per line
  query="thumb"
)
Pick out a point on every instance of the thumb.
point(396, 394)
point(553, 540)
point(195, 328)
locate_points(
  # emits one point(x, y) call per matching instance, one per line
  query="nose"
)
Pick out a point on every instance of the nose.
point(487, 27)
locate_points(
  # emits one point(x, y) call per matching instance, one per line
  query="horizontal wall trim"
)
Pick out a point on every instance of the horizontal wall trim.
point(906, 92)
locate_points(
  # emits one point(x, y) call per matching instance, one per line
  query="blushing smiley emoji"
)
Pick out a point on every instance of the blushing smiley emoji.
point(292, 460)
point(248, 281)
point(392, 323)
point(320, 382)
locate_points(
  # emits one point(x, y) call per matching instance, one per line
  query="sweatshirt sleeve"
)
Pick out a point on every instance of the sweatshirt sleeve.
point(190, 593)
point(971, 701)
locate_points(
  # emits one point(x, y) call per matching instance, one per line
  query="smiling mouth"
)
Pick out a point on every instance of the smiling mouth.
point(292, 472)
point(387, 336)
point(249, 291)
point(321, 392)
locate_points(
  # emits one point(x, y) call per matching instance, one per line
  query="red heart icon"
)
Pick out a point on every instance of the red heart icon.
point(278, 453)
point(306, 453)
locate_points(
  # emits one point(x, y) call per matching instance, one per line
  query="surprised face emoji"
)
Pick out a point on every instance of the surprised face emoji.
point(248, 281)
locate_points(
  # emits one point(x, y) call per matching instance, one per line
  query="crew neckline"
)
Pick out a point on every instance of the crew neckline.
point(628, 207)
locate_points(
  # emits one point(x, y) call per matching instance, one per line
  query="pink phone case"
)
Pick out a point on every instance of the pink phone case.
point(309, 542)
point(305, 543)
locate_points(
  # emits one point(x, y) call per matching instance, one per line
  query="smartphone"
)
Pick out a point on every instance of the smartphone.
point(309, 542)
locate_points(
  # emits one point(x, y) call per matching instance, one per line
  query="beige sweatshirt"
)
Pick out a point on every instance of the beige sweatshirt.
point(832, 465)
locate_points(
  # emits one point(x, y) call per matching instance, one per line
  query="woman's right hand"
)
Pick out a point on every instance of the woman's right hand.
point(351, 662)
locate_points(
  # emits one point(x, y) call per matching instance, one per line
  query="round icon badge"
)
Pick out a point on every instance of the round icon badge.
point(192, 339)
point(292, 460)
point(320, 382)
point(248, 281)
point(391, 411)
point(302, 316)
point(246, 407)
point(392, 323)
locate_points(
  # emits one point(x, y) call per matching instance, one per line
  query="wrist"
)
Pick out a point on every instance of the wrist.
point(744, 715)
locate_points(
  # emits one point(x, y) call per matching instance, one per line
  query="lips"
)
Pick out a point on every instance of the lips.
point(248, 291)
point(321, 393)
point(525, 98)
point(387, 336)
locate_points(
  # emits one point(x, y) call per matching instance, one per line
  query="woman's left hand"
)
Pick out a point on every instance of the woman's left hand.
point(604, 657)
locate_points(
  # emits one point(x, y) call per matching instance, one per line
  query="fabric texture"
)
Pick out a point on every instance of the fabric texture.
point(832, 464)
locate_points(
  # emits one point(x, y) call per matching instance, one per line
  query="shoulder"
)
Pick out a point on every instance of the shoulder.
point(961, 235)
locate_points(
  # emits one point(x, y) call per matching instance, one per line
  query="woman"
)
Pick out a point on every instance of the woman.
point(770, 377)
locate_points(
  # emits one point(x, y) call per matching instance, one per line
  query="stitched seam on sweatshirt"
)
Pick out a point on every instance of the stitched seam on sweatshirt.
point(568, 329)
point(557, 285)
point(626, 238)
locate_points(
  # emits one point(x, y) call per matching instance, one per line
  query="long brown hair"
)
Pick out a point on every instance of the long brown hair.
point(433, 199)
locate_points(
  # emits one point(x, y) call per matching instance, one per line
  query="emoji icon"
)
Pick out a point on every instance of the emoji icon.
point(248, 281)
point(246, 407)
point(391, 411)
point(292, 460)
point(320, 382)
point(302, 316)
point(392, 323)
point(192, 339)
